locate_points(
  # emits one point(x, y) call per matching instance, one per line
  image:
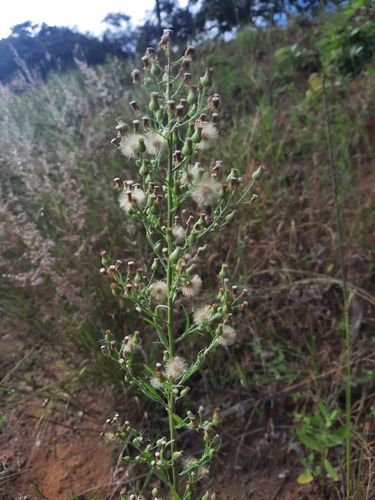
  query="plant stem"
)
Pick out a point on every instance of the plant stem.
point(171, 340)
point(348, 405)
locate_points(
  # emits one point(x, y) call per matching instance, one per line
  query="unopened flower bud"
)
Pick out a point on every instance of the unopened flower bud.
point(206, 80)
point(257, 175)
point(187, 149)
point(106, 260)
point(224, 271)
point(154, 103)
point(192, 97)
point(185, 391)
point(155, 69)
point(177, 454)
point(230, 218)
point(197, 136)
point(141, 147)
point(217, 417)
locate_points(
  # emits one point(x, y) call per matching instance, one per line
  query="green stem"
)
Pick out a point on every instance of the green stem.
point(348, 405)
point(171, 341)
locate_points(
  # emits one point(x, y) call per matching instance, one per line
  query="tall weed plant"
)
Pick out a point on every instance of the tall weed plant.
point(179, 202)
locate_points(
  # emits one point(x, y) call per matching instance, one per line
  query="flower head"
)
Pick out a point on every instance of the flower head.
point(128, 145)
point(228, 337)
point(128, 199)
point(156, 383)
point(179, 233)
point(206, 191)
point(159, 291)
point(192, 287)
point(210, 135)
point(175, 367)
point(202, 314)
point(155, 143)
point(139, 196)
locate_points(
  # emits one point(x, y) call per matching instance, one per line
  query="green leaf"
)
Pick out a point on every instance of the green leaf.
point(305, 478)
point(309, 441)
point(323, 409)
point(177, 418)
point(335, 440)
point(151, 393)
point(331, 471)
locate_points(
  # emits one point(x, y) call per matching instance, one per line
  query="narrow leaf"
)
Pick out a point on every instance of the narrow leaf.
point(331, 471)
point(308, 441)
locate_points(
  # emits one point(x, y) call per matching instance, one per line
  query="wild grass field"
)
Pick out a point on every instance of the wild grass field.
point(283, 387)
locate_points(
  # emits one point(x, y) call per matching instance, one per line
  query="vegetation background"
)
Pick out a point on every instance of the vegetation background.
point(60, 92)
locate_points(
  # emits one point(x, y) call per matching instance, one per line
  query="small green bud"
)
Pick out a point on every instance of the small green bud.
point(213, 309)
point(154, 103)
point(185, 391)
point(126, 460)
point(155, 264)
point(206, 496)
point(219, 330)
point(169, 236)
point(223, 273)
point(141, 147)
point(108, 335)
point(187, 149)
point(257, 175)
point(233, 173)
point(155, 70)
point(192, 97)
point(128, 378)
point(206, 80)
point(230, 218)
point(175, 137)
point(177, 454)
point(191, 129)
point(106, 260)
point(174, 256)
point(217, 417)
point(160, 113)
point(197, 136)
point(157, 247)
point(155, 492)
point(144, 167)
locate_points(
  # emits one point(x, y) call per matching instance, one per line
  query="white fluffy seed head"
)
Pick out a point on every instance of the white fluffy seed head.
point(228, 337)
point(192, 287)
point(159, 291)
point(175, 367)
point(128, 145)
point(206, 191)
point(210, 135)
point(202, 314)
point(155, 143)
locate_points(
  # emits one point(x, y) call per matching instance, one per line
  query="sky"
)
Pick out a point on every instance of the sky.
point(86, 15)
